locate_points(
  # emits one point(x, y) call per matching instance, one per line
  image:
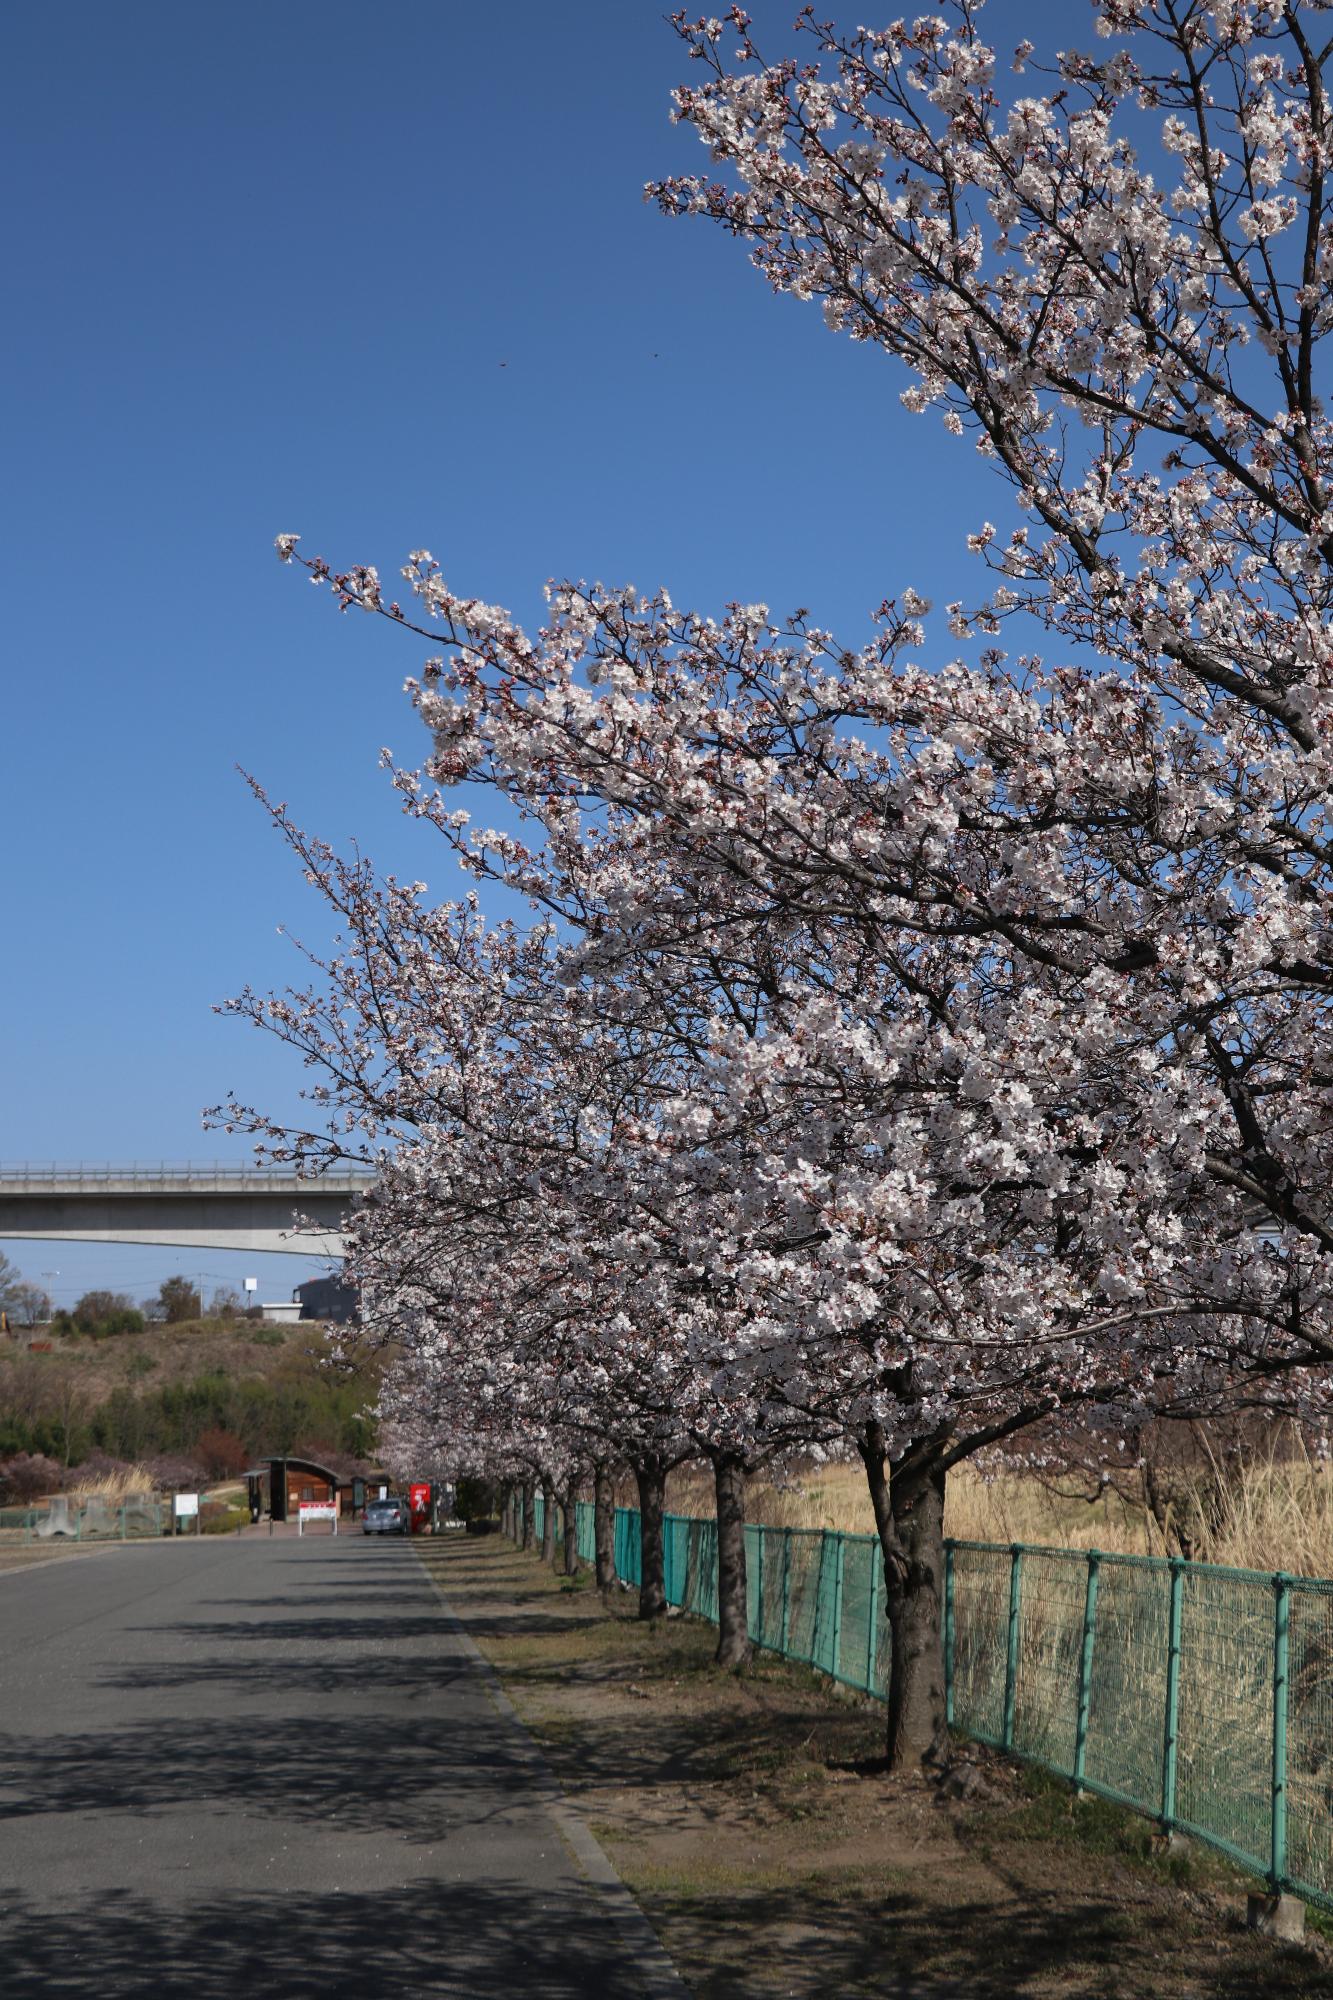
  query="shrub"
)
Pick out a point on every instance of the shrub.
point(105, 1313)
point(475, 1499)
point(29, 1475)
point(221, 1453)
point(176, 1472)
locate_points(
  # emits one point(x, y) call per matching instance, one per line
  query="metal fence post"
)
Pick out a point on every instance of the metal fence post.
point(1085, 1666)
point(1281, 1703)
point(838, 1561)
point(786, 1589)
point(1011, 1650)
point(759, 1586)
point(1170, 1735)
point(948, 1634)
point(872, 1625)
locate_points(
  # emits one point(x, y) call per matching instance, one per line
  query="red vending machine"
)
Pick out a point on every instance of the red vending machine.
point(418, 1501)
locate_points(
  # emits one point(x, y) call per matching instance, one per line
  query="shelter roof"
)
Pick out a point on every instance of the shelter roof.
point(335, 1479)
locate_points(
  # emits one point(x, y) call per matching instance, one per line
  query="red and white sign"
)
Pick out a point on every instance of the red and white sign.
point(316, 1510)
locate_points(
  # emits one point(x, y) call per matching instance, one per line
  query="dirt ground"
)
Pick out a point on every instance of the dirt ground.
point(15, 1554)
point(753, 1820)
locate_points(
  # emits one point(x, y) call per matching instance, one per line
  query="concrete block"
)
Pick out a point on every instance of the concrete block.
point(1276, 1916)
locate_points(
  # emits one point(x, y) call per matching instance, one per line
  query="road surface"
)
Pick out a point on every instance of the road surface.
point(262, 1768)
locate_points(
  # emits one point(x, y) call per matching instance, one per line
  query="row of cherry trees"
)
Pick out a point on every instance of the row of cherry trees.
point(906, 1055)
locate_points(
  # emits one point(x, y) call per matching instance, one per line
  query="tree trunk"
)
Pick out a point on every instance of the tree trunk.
point(529, 1514)
point(651, 1477)
point(569, 1515)
point(548, 1524)
point(908, 1499)
point(733, 1615)
point(604, 1527)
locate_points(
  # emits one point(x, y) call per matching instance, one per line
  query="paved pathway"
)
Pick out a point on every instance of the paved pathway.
point(259, 1769)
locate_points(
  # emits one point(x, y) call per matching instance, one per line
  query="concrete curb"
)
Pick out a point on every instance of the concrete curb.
point(643, 1948)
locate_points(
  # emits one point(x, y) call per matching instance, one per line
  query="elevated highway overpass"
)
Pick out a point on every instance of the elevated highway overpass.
point(205, 1205)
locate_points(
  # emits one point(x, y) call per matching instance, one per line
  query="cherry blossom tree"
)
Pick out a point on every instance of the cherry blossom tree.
point(994, 994)
point(991, 1223)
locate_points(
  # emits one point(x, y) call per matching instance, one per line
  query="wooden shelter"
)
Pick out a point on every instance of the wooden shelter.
point(292, 1480)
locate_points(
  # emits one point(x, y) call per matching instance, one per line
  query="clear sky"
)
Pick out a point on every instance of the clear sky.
point(383, 277)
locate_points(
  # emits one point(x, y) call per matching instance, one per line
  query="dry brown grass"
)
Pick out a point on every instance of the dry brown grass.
point(1276, 1514)
point(127, 1483)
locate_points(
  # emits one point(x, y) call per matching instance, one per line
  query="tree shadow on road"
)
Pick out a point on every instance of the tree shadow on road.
point(373, 1774)
point(424, 1939)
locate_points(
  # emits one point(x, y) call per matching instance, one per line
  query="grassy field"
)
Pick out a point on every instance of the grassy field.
point(754, 1821)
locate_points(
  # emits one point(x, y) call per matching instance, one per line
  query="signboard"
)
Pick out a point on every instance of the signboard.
point(251, 1284)
point(418, 1501)
point(316, 1510)
point(183, 1505)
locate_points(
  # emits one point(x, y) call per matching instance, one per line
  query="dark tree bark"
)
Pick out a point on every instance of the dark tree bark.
point(604, 1526)
point(650, 1474)
point(908, 1498)
point(529, 1514)
point(569, 1515)
point(548, 1524)
point(733, 1621)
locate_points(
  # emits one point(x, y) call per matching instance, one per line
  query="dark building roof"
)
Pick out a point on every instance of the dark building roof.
point(327, 1298)
point(335, 1479)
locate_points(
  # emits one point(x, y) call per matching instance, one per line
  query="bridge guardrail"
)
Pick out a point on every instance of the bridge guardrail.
point(16, 1174)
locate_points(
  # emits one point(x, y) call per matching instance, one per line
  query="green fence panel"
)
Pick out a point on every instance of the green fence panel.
point(585, 1530)
point(1201, 1696)
point(629, 1553)
point(1051, 1607)
point(1310, 1740)
point(858, 1636)
point(1224, 1753)
point(754, 1580)
point(980, 1622)
point(1127, 1695)
point(702, 1596)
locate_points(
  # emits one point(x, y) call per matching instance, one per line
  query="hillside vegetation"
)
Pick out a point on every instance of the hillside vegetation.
point(158, 1392)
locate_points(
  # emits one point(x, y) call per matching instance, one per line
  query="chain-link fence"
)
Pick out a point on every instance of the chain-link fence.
point(71, 1518)
point(1200, 1695)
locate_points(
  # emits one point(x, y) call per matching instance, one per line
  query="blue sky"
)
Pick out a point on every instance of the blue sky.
point(380, 278)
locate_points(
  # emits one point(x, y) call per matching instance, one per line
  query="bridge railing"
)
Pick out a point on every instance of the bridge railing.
point(40, 1173)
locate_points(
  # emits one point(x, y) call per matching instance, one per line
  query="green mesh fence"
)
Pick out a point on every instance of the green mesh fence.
point(1199, 1695)
point(65, 1518)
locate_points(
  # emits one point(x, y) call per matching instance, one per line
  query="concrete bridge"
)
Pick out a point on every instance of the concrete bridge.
point(203, 1205)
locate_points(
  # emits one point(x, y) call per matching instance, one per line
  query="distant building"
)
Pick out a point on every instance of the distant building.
point(289, 1481)
point(326, 1298)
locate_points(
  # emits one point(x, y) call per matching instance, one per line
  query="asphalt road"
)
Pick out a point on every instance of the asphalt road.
point(246, 1767)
